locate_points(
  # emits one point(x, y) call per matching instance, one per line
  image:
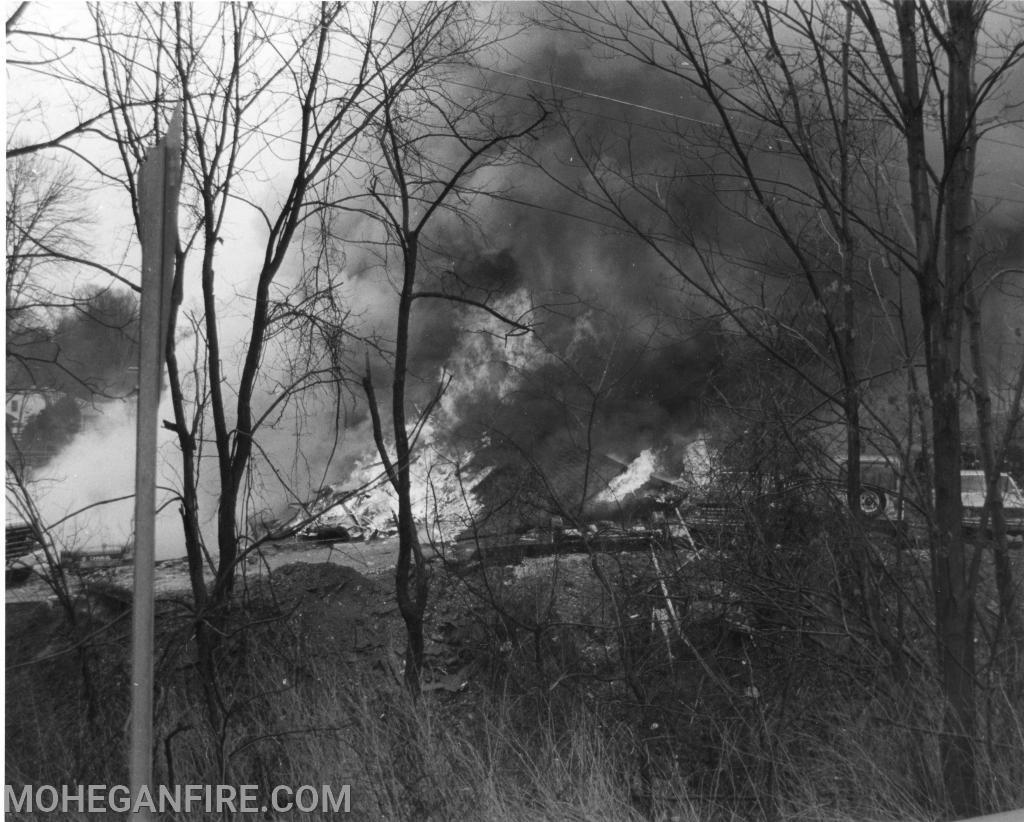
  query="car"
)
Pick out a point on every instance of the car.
point(972, 497)
point(881, 486)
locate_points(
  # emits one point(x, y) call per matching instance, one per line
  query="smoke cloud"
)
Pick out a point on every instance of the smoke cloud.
point(616, 362)
point(89, 488)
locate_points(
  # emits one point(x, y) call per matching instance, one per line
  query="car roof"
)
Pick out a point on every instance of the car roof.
point(1007, 479)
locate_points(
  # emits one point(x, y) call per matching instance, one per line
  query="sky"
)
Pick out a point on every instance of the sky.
point(610, 316)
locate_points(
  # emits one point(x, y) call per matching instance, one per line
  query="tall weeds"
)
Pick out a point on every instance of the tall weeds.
point(804, 744)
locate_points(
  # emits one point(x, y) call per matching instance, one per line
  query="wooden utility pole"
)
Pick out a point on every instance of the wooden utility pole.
point(159, 182)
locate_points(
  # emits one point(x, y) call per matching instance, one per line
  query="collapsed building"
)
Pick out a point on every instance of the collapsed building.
point(458, 501)
point(365, 506)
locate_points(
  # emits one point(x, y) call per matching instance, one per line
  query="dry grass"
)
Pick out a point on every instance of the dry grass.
point(575, 751)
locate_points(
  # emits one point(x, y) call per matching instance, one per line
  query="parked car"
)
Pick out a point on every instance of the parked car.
point(972, 497)
point(881, 486)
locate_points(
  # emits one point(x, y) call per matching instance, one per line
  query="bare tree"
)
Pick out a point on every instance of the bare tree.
point(993, 450)
point(45, 52)
point(432, 144)
point(67, 345)
point(791, 81)
point(309, 104)
point(939, 47)
point(265, 96)
point(47, 256)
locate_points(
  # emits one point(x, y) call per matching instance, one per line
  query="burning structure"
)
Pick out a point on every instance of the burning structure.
point(458, 501)
point(365, 505)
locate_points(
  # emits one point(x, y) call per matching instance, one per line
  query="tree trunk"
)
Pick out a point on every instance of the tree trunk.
point(227, 543)
point(410, 572)
point(954, 606)
point(992, 462)
point(954, 590)
point(847, 354)
point(941, 289)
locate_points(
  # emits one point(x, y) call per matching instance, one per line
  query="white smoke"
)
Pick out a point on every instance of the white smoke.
point(86, 493)
point(490, 361)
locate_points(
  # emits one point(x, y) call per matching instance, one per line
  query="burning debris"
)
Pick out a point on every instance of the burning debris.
point(366, 506)
point(453, 502)
point(444, 487)
point(644, 490)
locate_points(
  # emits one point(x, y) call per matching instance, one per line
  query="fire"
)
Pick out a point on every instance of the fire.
point(631, 480)
point(488, 362)
point(443, 498)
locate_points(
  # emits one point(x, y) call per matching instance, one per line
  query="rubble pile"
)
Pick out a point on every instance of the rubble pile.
point(365, 506)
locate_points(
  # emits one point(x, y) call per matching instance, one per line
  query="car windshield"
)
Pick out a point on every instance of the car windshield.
point(975, 484)
point(878, 474)
point(882, 472)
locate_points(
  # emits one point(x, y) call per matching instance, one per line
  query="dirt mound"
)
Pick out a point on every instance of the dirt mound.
point(30, 627)
point(339, 616)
